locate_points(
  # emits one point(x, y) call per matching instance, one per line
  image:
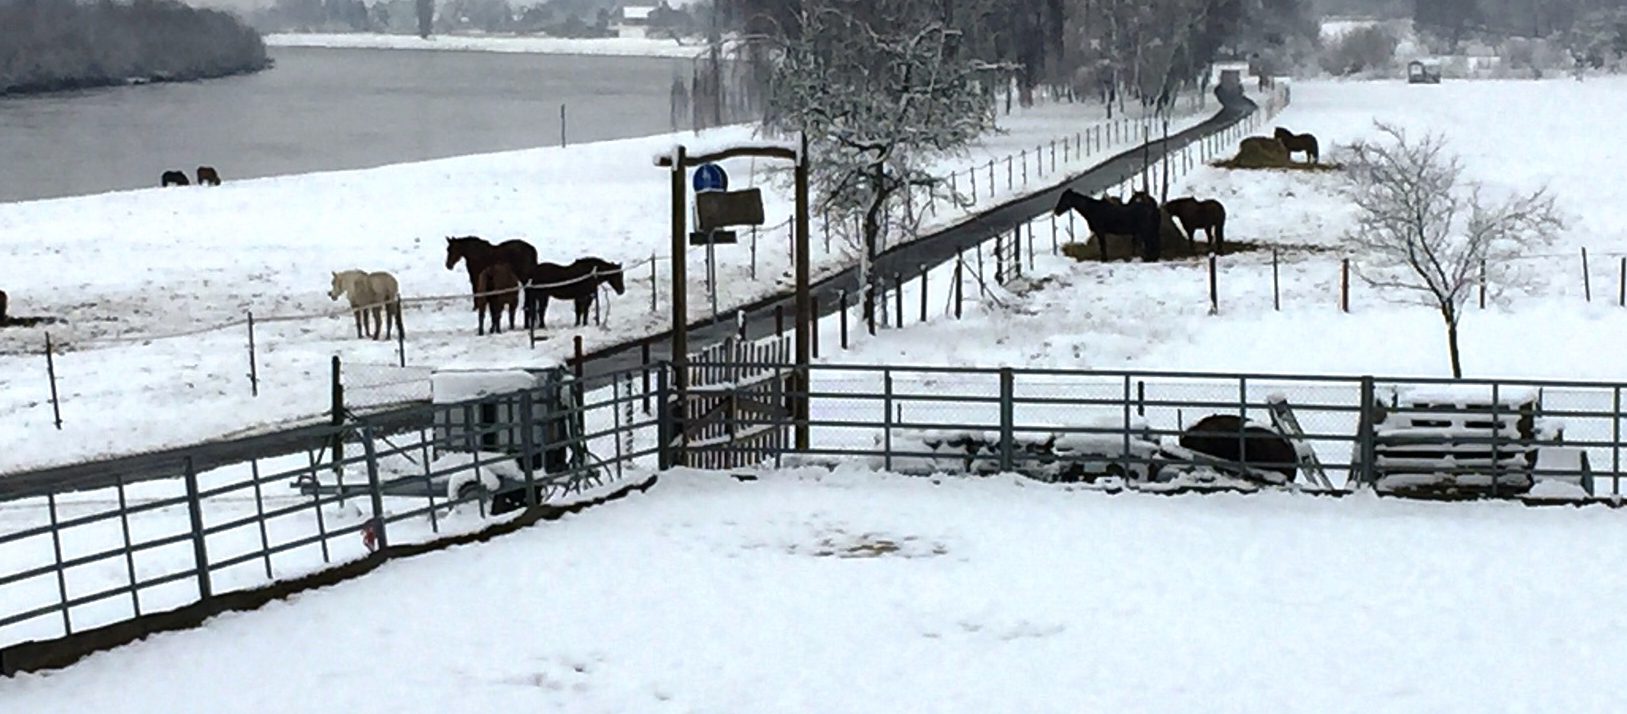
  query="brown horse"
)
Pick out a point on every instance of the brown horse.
point(497, 277)
point(578, 282)
point(208, 176)
point(1298, 142)
point(1138, 218)
point(477, 255)
point(1206, 215)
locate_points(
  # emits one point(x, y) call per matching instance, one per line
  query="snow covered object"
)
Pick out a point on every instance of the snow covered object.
point(1455, 442)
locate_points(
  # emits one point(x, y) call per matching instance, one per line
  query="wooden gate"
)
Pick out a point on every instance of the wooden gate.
point(738, 412)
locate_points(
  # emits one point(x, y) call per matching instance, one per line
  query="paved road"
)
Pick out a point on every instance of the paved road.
point(908, 259)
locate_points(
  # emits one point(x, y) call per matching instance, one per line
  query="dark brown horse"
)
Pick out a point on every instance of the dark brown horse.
point(1208, 216)
point(174, 178)
point(1298, 142)
point(1138, 218)
point(578, 282)
point(208, 176)
point(477, 254)
point(497, 277)
point(1230, 437)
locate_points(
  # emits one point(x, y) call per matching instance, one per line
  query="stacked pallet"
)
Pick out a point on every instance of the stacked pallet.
point(1455, 442)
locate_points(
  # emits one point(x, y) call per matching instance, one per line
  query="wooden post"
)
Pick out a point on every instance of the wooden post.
point(1482, 283)
point(1621, 295)
point(999, 267)
point(50, 372)
point(1344, 286)
point(960, 273)
point(1025, 166)
point(562, 126)
point(1214, 293)
point(923, 293)
point(1276, 293)
point(254, 372)
point(779, 320)
point(644, 359)
point(1587, 281)
point(680, 297)
point(579, 357)
point(843, 310)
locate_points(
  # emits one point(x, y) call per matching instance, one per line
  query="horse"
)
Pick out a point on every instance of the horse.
point(1138, 218)
point(1232, 438)
point(377, 293)
point(207, 176)
point(1298, 142)
point(497, 277)
point(477, 255)
point(578, 281)
point(174, 178)
point(1206, 215)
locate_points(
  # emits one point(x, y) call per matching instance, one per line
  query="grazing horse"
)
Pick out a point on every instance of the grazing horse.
point(497, 277)
point(477, 255)
point(174, 178)
point(1138, 218)
point(578, 281)
point(377, 293)
point(208, 176)
point(1298, 142)
point(1206, 215)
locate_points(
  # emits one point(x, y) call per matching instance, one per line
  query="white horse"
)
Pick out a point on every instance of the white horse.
point(375, 292)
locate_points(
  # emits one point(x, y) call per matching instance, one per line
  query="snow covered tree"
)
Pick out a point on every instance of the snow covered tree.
point(1430, 237)
point(881, 92)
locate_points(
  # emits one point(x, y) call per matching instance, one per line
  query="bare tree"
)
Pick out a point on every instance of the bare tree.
point(1430, 237)
point(881, 91)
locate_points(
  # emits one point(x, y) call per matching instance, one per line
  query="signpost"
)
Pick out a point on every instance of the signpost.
point(709, 179)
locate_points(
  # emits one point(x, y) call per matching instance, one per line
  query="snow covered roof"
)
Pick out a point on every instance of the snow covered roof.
point(637, 12)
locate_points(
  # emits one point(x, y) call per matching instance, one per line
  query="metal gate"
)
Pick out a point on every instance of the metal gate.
point(738, 410)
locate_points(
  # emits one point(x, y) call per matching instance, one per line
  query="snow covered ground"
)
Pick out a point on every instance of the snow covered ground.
point(1511, 135)
point(125, 268)
point(623, 46)
point(811, 591)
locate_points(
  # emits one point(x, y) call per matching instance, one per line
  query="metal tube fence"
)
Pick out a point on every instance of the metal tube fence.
point(73, 561)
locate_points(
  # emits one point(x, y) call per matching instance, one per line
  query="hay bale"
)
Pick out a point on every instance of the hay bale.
point(1261, 152)
point(1121, 247)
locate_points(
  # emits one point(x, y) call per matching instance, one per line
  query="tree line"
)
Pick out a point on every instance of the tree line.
point(48, 45)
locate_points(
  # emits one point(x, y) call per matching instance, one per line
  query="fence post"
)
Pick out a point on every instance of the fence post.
point(401, 336)
point(50, 372)
point(655, 286)
point(528, 445)
point(1007, 417)
point(887, 419)
point(254, 373)
point(577, 362)
point(644, 357)
point(663, 422)
point(960, 270)
point(1482, 283)
point(1276, 293)
point(843, 311)
point(1344, 286)
point(923, 293)
point(999, 266)
point(1621, 290)
point(1615, 449)
point(375, 492)
point(1364, 435)
point(1587, 281)
point(1214, 293)
point(1025, 167)
point(991, 178)
point(336, 417)
point(200, 552)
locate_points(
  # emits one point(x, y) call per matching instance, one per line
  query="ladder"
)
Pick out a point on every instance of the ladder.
point(1283, 417)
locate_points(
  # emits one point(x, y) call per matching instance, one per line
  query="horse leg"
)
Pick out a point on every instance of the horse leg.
point(542, 310)
point(358, 314)
point(511, 307)
point(377, 314)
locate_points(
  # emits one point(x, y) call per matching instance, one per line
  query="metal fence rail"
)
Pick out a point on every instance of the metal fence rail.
point(74, 561)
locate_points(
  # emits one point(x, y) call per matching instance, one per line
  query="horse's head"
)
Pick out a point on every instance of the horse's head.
point(615, 278)
point(454, 252)
point(338, 287)
point(1065, 202)
point(1282, 134)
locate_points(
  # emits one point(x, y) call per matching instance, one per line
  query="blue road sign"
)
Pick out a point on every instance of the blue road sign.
point(710, 177)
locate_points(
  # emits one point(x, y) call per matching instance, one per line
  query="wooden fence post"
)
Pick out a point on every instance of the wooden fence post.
point(254, 371)
point(1214, 293)
point(50, 372)
point(1344, 286)
point(1276, 294)
point(1587, 280)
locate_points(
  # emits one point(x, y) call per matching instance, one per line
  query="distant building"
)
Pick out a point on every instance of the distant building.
point(636, 15)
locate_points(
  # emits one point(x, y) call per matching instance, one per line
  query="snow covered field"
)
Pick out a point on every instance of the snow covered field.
point(622, 46)
point(1511, 135)
point(125, 267)
point(856, 592)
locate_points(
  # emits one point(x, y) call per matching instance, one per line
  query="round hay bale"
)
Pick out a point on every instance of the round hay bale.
point(1260, 152)
point(1173, 244)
